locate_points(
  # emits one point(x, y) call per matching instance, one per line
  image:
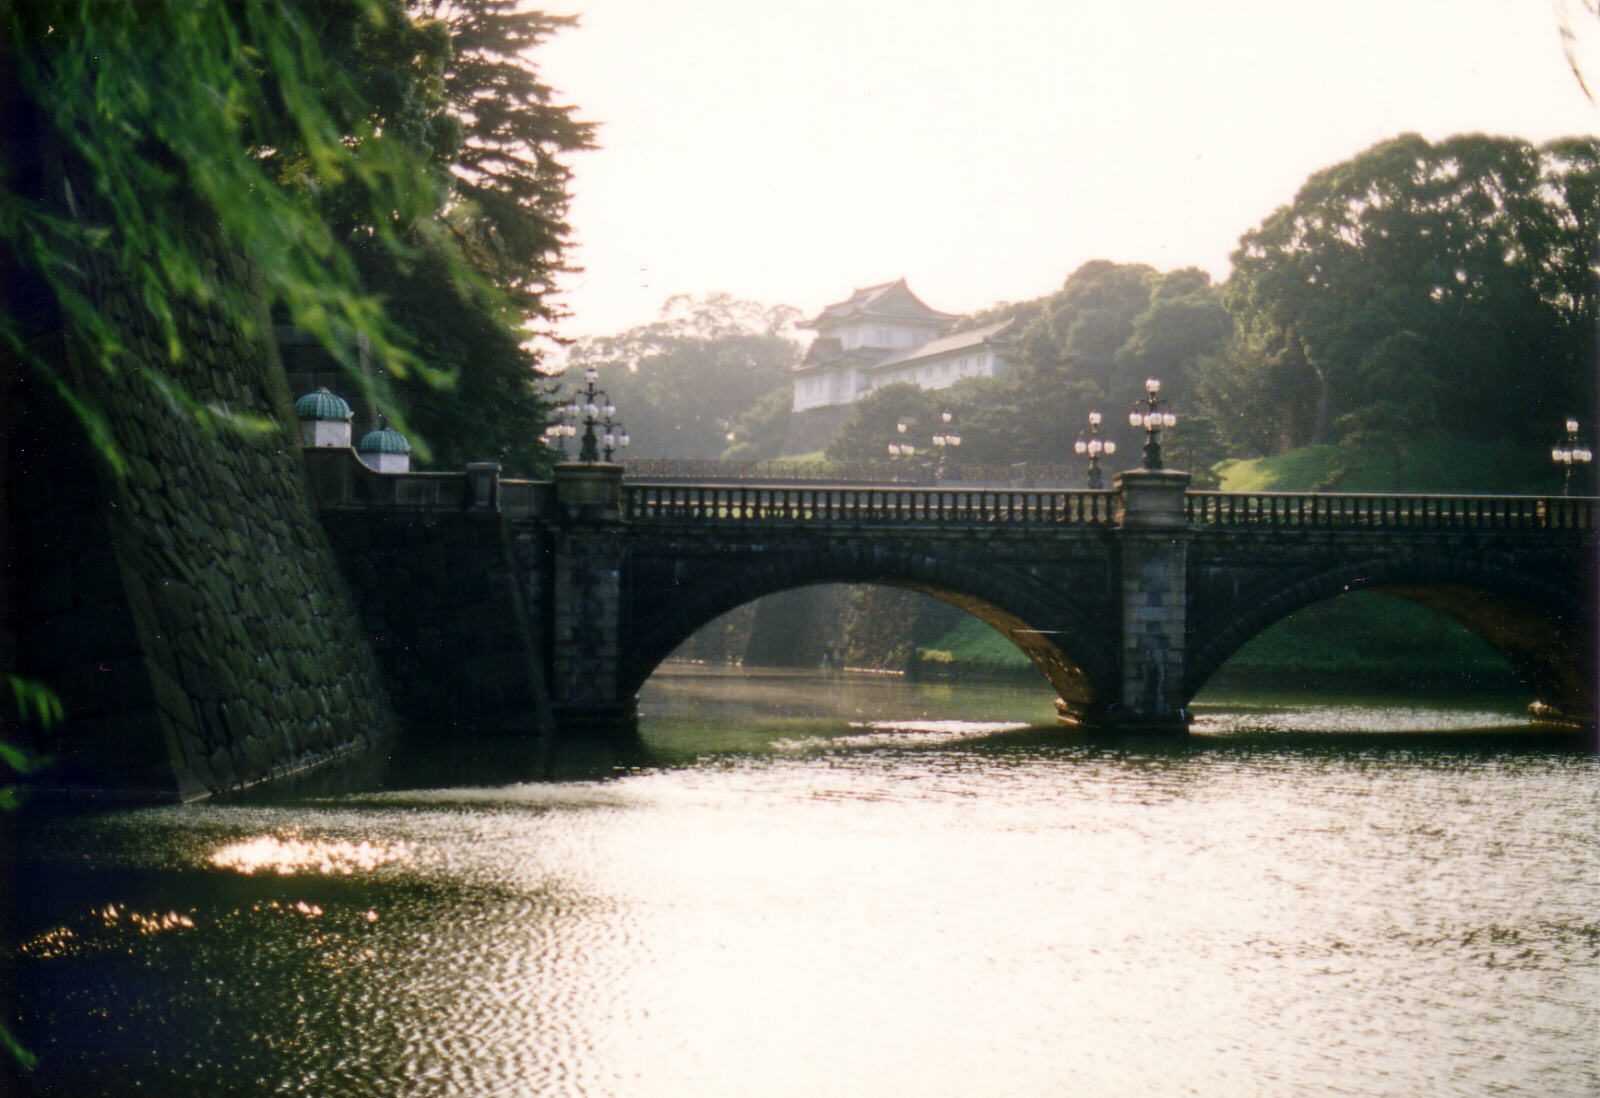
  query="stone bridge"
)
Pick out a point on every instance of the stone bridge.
point(488, 596)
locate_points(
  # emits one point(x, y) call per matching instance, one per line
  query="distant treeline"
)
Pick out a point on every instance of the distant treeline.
point(1415, 293)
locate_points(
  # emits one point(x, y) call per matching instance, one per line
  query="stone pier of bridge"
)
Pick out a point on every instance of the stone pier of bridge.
point(1154, 602)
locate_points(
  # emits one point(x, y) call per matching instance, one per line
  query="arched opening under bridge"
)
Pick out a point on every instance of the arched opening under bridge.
point(903, 626)
point(873, 663)
point(1431, 630)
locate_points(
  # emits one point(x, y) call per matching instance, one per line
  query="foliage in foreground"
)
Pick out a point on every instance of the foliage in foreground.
point(391, 170)
point(348, 148)
point(115, 151)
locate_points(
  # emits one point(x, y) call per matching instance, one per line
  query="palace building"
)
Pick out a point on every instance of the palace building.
point(885, 334)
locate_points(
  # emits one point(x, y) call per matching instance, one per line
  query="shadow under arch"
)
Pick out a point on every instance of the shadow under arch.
point(1058, 635)
point(1536, 624)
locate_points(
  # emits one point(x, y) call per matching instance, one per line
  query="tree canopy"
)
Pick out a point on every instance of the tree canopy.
point(1447, 286)
point(682, 382)
point(355, 150)
point(1087, 347)
point(458, 83)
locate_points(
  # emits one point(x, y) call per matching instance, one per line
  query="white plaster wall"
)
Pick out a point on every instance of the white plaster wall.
point(324, 432)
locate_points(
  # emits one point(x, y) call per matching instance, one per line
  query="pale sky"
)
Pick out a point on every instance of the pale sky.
point(791, 152)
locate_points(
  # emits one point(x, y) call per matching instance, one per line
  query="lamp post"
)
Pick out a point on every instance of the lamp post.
point(616, 435)
point(901, 449)
point(1152, 414)
point(1570, 451)
point(1092, 444)
point(945, 441)
point(556, 434)
point(594, 407)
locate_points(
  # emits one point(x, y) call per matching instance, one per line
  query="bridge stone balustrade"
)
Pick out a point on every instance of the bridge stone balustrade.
point(1378, 511)
point(1127, 600)
point(816, 505)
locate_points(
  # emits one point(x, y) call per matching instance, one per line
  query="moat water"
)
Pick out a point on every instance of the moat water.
point(844, 885)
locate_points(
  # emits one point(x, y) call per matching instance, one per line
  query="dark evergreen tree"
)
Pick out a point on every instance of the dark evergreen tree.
point(458, 82)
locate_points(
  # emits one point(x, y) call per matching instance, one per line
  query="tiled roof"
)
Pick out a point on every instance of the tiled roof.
point(889, 300)
point(947, 345)
point(827, 353)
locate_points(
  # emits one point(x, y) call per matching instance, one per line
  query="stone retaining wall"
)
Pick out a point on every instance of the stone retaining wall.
point(190, 614)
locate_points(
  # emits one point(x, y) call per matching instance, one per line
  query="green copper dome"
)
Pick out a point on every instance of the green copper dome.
point(322, 405)
point(385, 440)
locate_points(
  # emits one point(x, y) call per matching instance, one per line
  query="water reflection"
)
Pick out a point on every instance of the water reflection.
point(293, 854)
point(939, 896)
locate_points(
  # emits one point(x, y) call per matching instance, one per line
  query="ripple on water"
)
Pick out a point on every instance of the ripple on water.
point(894, 907)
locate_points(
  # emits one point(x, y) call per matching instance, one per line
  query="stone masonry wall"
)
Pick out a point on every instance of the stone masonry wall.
point(1153, 625)
point(190, 613)
point(439, 598)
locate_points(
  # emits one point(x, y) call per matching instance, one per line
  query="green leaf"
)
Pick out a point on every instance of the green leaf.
point(35, 703)
point(22, 1056)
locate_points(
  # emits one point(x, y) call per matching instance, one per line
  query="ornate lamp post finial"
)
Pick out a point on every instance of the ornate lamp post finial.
point(1093, 445)
point(600, 424)
point(1152, 414)
point(1569, 452)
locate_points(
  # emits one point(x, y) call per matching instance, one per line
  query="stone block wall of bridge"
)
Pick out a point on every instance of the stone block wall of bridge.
point(441, 593)
point(1522, 577)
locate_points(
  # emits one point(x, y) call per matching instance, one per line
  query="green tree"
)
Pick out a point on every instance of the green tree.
point(681, 383)
point(457, 82)
point(509, 175)
point(1082, 326)
point(1476, 255)
point(760, 432)
point(135, 139)
point(1184, 321)
point(1258, 392)
point(874, 424)
point(112, 151)
point(1088, 347)
point(393, 169)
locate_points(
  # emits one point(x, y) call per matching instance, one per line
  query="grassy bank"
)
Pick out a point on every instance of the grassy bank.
point(1360, 641)
point(1429, 464)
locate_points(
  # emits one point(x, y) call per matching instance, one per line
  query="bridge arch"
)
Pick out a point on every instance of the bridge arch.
point(1073, 650)
point(1534, 622)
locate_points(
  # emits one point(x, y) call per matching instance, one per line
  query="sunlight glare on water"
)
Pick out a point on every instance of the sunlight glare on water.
point(918, 904)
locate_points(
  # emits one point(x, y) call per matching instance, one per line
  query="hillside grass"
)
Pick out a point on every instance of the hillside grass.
point(972, 646)
point(1432, 464)
point(1360, 641)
